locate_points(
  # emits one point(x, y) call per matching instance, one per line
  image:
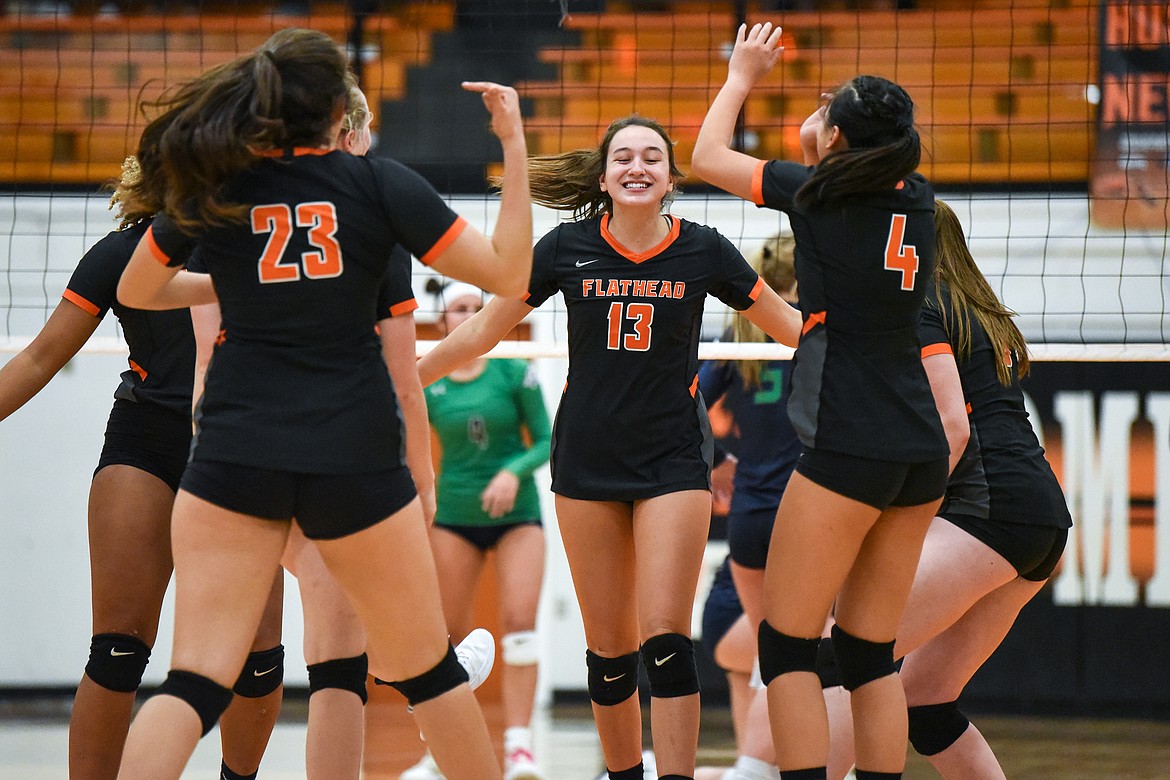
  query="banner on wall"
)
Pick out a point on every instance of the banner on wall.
point(1130, 180)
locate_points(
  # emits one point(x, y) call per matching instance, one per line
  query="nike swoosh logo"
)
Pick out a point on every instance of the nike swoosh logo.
point(115, 652)
point(607, 678)
point(582, 263)
point(661, 661)
point(266, 671)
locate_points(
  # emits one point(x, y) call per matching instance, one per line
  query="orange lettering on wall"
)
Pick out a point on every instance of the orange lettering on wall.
point(1139, 98)
point(1137, 26)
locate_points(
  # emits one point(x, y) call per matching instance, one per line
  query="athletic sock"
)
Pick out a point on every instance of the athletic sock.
point(814, 773)
point(227, 774)
point(865, 774)
point(633, 773)
point(748, 768)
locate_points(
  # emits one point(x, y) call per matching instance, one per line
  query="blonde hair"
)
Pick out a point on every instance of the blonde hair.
point(971, 294)
point(356, 107)
point(126, 212)
point(775, 263)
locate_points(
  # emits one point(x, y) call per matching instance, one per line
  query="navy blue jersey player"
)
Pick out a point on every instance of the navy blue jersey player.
point(853, 517)
point(631, 444)
point(297, 417)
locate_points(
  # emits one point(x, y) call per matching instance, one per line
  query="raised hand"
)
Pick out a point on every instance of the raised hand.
point(756, 52)
point(503, 104)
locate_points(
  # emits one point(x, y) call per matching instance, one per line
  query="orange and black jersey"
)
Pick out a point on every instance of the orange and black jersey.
point(162, 345)
point(298, 383)
point(631, 424)
point(858, 384)
point(1003, 475)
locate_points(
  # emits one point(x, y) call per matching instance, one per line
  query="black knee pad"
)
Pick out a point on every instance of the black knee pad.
point(117, 661)
point(827, 669)
point(670, 666)
point(207, 697)
point(781, 653)
point(347, 674)
point(860, 661)
point(611, 680)
point(935, 727)
point(263, 673)
point(446, 675)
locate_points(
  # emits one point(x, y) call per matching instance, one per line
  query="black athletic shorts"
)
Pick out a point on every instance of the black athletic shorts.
point(1034, 550)
point(149, 438)
point(748, 535)
point(879, 483)
point(484, 537)
point(326, 506)
point(720, 612)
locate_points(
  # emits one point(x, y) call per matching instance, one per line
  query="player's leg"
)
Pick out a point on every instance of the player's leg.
point(520, 573)
point(247, 723)
point(670, 535)
point(130, 566)
point(223, 574)
point(599, 545)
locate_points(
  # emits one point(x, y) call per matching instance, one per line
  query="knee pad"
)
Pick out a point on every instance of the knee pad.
point(860, 661)
point(263, 673)
point(347, 674)
point(520, 648)
point(207, 697)
point(611, 680)
point(117, 661)
point(935, 727)
point(670, 666)
point(782, 654)
point(827, 670)
point(445, 676)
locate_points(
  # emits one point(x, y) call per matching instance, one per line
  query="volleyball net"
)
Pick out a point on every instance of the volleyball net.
point(1040, 125)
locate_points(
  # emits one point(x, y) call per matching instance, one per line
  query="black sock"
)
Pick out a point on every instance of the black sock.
point(633, 773)
point(815, 773)
point(675, 777)
point(865, 774)
point(227, 774)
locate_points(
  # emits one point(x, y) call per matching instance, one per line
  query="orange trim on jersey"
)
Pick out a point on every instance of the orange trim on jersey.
point(814, 319)
point(942, 348)
point(639, 257)
point(298, 151)
point(406, 307)
point(221, 337)
point(155, 249)
point(137, 369)
point(755, 293)
point(968, 408)
point(80, 302)
point(694, 385)
point(901, 185)
point(444, 241)
point(758, 183)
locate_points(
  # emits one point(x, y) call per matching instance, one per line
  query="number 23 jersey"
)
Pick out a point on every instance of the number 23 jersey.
point(631, 424)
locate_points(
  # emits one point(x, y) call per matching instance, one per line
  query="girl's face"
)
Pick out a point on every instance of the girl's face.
point(461, 309)
point(637, 168)
point(359, 140)
point(817, 136)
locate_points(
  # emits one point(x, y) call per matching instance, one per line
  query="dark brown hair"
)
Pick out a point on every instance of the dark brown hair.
point(970, 294)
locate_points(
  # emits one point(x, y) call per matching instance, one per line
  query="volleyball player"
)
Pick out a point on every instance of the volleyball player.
point(851, 523)
point(298, 417)
point(1003, 524)
point(631, 442)
point(146, 443)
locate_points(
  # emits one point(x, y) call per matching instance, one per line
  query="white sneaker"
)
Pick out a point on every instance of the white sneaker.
point(425, 769)
point(476, 654)
point(520, 765)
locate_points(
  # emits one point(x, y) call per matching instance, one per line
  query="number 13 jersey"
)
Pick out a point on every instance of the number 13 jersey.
point(631, 424)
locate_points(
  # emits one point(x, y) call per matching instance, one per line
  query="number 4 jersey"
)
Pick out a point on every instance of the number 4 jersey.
point(859, 387)
point(631, 424)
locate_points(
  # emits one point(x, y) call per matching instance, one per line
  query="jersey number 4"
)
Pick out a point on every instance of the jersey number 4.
point(642, 314)
point(276, 219)
point(900, 257)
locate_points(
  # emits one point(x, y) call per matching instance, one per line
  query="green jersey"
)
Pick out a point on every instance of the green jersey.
point(479, 423)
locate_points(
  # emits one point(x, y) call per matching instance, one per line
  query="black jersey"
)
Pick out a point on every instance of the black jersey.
point(162, 344)
point(858, 383)
point(297, 382)
point(631, 424)
point(395, 295)
point(1017, 481)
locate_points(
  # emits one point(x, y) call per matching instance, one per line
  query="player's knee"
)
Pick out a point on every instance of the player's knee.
point(783, 654)
point(208, 698)
point(935, 727)
point(347, 674)
point(117, 661)
point(860, 661)
point(520, 648)
point(827, 670)
point(611, 680)
point(670, 666)
point(445, 676)
point(263, 673)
